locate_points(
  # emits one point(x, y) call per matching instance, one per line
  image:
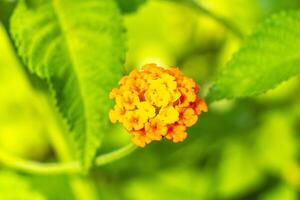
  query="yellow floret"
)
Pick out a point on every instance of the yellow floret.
point(169, 81)
point(168, 115)
point(146, 108)
point(157, 93)
point(117, 114)
point(134, 120)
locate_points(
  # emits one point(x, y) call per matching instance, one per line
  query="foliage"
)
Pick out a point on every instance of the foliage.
point(60, 52)
point(129, 6)
point(269, 57)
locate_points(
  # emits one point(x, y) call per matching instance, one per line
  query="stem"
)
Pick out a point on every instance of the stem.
point(199, 8)
point(61, 168)
point(36, 167)
point(115, 155)
point(82, 187)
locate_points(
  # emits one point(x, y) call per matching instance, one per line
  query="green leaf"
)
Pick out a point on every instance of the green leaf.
point(78, 47)
point(129, 6)
point(13, 186)
point(6, 8)
point(270, 56)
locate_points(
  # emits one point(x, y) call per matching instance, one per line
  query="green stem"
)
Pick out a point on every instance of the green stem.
point(115, 155)
point(82, 187)
point(199, 8)
point(36, 167)
point(61, 168)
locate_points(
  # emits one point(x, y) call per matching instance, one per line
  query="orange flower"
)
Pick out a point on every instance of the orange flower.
point(176, 73)
point(188, 83)
point(134, 120)
point(140, 139)
point(186, 97)
point(123, 80)
point(114, 92)
point(117, 114)
point(199, 106)
point(152, 69)
point(188, 117)
point(140, 86)
point(127, 99)
point(176, 133)
point(155, 129)
point(154, 102)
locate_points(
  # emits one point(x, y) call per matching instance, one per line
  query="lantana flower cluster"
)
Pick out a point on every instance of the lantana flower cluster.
point(154, 103)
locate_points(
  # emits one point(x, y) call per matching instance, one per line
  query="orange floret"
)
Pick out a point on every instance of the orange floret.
point(117, 114)
point(140, 139)
point(155, 129)
point(154, 103)
point(187, 97)
point(176, 133)
point(134, 120)
point(188, 117)
point(199, 106)
point(128, 100)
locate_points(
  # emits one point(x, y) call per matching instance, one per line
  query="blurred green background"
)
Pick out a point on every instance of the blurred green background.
point(243, 149)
